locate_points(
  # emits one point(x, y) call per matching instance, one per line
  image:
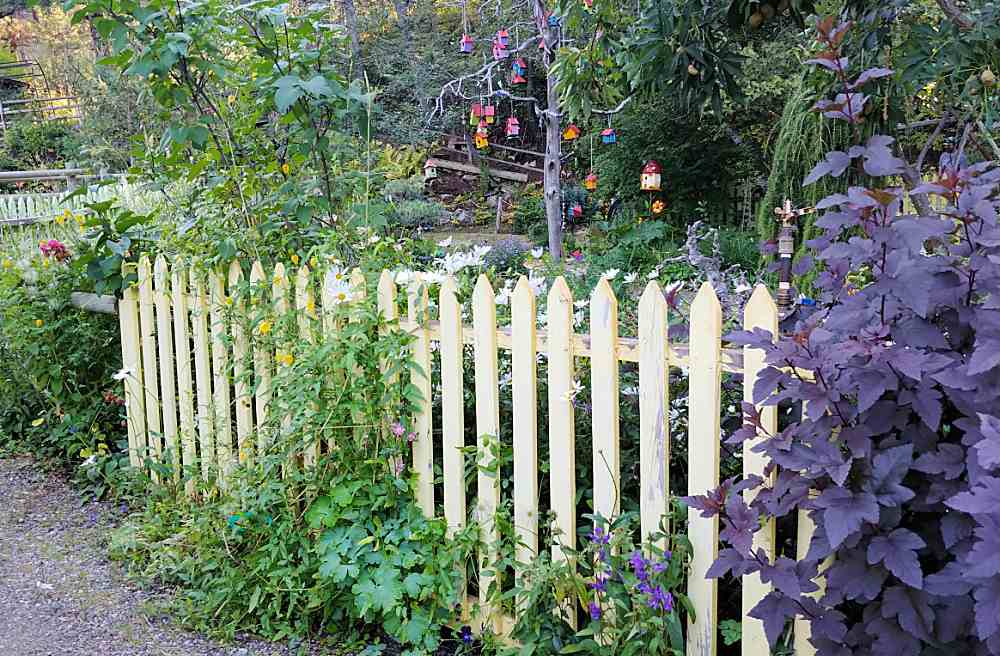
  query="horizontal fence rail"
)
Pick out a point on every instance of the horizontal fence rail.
point(184, 399)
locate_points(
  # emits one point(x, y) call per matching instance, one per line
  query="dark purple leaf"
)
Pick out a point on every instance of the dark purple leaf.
point(983, 498)
point(948, 460)
point(888, 470)
point(774, 610)
point(988, 608)
point(835, 164)
point(897, 551)
point(870, 74)
point(988, 449)
point(844, 512)
point(911, 608)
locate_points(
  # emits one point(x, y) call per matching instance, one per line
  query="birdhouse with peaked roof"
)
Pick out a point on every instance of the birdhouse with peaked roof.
point(503, 38)
point(466, 45)
point(650, 180)
point(609, 136)
point(571, 132)
point(513, 127)
point(490, 114)
point(430, 171)
point(590, 182)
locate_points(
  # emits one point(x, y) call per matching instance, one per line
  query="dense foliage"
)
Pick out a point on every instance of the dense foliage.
point(896, 456)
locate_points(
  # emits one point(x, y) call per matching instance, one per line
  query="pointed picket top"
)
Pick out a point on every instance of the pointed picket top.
point(760, 309)
point(387, 295)
point(523, 291)
point(417, 301)
point(449, 286)
point(559, 293)
point(145, 270)
point(707, 304)
point(357, 283)
point(483, 291)
point(279, 283)
point(652, 298)
point(257, 272)
point(603, 306)
point(235, 275)
point(160, 272)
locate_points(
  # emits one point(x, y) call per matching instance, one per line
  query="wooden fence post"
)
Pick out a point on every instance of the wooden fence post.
point(525, 408)
point(165, 342)
point(704, 434)
point(128, 314)
point(150, 382)
point(203, 376)
point(185, 386)
point(420, 377)
point(654, 411)
point(452, 405)
point(262, 360)
point(242, 374)
point(760, 312)
point(604, 383)
point(305, 309)
point(220, 374)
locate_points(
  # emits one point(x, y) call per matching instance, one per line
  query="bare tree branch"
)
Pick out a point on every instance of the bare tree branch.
point(956, 15)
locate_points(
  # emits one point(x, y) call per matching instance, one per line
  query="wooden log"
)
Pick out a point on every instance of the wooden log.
point(469, 168)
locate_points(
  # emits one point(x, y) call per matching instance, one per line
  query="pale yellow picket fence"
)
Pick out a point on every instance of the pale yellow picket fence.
point(171, 319)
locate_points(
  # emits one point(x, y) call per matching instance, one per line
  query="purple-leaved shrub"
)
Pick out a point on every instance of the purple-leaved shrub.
point(896, 457)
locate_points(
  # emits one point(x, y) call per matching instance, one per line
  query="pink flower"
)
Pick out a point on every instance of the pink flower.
point(397, 429)
point(411, 436)
point(399, 467)
point(54, 248)
point(577, 255)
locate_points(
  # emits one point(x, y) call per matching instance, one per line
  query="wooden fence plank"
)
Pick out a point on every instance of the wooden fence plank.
point(185, 387)
point(801, 629)
point(262, 361)
point(760, 312)
point(604, 383)
point(150, 372)
point(452, 405)
point(562, 431)
point(484, 321)
point(203, 375)
point(220, 374)
point(165, 344)
point(420, 377)
point(525, 408)
point(241, 372)
point(704, 407)
point(279, 294)
point(654, 411)
point(132, 366)
point(305, 309)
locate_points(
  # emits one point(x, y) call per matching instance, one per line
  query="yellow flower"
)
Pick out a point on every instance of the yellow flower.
point(45, 264)
point(286, 168)
point(231, 99)
point(295, 259)
point(39, 323)
point(311, 306)
point(229, 301)
point(264, 328)
point(658, 206)
point(278, 280)
point(313, 262)
point(61, 219)
point(285, 358)
point(7, 264)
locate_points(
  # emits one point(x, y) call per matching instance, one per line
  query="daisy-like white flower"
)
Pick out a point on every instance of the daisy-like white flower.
point(653, 275)
point(610, 274)
point(122, 374)
point(570, 395)
point(537, 253)
point(582, 303)
point(742, 288)
point(503, 298)
point(445, 243)
point(337, 290)
point(629, 278)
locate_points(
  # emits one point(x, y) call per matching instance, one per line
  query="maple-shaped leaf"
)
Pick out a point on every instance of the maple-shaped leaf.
point(988, 608)
point(948, 460)
point(982, 498)
point(988, 448)
point(879, 160)
point(984, 556)
point(898, 552)
point(835, 163)
point(774, 610)
point(911, 608)
point(844, 512)
point(850, 577)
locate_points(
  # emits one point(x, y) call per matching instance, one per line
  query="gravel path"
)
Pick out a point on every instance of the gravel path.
point(59, 594)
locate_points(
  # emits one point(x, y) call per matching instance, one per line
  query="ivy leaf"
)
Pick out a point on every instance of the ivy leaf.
point(897, 551)
point(844, 512)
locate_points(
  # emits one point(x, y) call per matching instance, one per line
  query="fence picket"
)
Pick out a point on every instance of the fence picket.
point(241, 373)
point(524, 378)
point(604, 385)
point(128, 314)
point(305, 310)
point(358, 293)
point(654, 411)
point(262, 361)
point(279, 295)
point(704, 407)
point(150, 383)
point(220, 375)
point(801, 629)
point(760, 312)
point(452, 405)
point(185, 388)
point(165, 343)
point(417, 304)
point(562, 431)
point(484, 322)
point(202, 373)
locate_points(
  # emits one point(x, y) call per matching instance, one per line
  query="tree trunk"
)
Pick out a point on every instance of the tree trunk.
point(553, 139)
point(351, 18)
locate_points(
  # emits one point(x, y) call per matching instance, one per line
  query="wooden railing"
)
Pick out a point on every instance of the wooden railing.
point(183, 399)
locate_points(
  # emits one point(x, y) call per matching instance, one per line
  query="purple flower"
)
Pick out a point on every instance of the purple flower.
point(660, 599)
point(600, 582)
point(397, 429)
point(410, 437)
point(660, 567)
point(599, 536)
point(466, 634)
point(398, 467)
point(639, 565)
point(595, 611)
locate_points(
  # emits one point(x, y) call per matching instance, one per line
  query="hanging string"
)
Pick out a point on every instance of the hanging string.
point(591, 152)
point(465, 18)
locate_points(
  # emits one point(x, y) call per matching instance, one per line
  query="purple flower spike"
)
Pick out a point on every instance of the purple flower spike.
point(595, 611)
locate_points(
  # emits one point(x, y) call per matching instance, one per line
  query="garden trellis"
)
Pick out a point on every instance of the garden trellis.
point(188, 395)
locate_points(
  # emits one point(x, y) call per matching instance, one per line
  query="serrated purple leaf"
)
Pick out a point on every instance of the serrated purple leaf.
point(774, 610)
point(988, 608)
point(845, 512)
point(897, 551)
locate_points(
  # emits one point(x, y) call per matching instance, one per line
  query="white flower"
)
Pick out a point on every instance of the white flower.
point(582, 303)
point(537, 284)
point(337, 290)
point(653, 275)
point(374, 239)
point(337, 275)
point(631, 390)
point(445, 243)
point(434, 278)
point(503, 298)
point(571, 394)
point(89, 461)
point(629, 278)
point(742, 288)
point(537, 253)
point(578, 317)
point(404, 277)
point(122, 374)
point(610, 274)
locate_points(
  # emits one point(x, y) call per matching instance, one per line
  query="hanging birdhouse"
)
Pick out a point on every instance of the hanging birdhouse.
point(490, 114)
point(466, 45)
point(576, 211)
point(482, 135)
point(651, 176)
point(520, 67)
point(430, 171)
point(517, 79)
point(503, 38)
point(609, 136)
point(553, 20)
point(589, 4)
point(499, 51)
point(513, 127)
point(477, 110)
point(590, 182)
point(571, 132)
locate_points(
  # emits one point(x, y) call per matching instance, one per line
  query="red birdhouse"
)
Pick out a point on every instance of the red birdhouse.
point(577, 211)
point(517, 79)
point(513, 127)
point(651, 176)
point(490, 114)
point(466, 45)
point(571, 132)
point(590, 182)
point(503, 38)
point(499, 51)
point(477, 110)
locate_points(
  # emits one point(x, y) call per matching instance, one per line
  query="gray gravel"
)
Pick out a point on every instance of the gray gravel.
point(59, 594)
